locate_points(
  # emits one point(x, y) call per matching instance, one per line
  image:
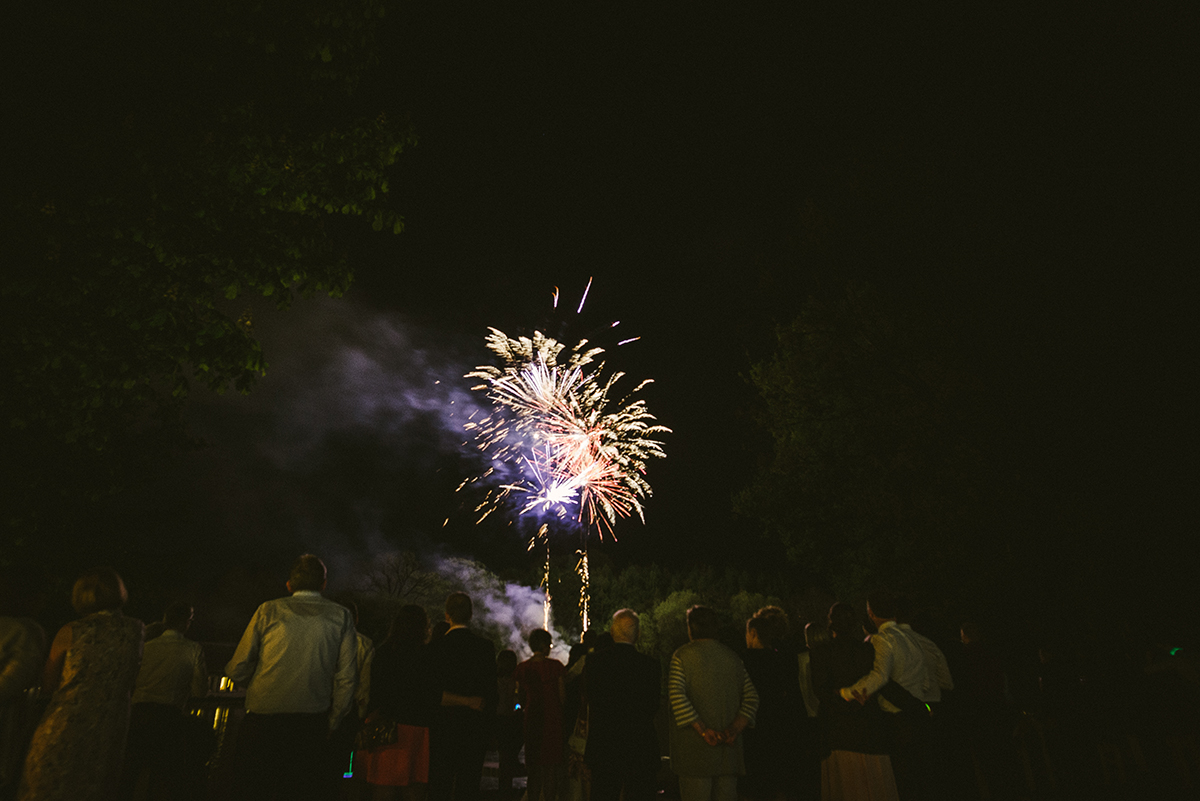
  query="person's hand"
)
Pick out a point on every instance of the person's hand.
point(475, 702)
point(862, 696)
point(710, 736)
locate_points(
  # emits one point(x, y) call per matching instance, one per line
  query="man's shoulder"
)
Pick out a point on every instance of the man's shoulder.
point(704, 649)
point(464, 640)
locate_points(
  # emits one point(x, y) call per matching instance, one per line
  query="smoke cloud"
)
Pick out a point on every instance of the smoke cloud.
point(351, 447)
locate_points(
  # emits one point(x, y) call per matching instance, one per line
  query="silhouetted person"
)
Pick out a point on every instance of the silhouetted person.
point(983, 710)
point(465, 665)
point(509, 721)
point(773, 745)
point(542, 692)
point(22, 655)
point(299, 657)
point(623, 688)
point(406, 693)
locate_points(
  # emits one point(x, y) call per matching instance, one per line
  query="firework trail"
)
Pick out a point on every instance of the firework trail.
point(571, 448)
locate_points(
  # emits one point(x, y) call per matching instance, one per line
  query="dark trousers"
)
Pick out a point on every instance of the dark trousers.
point(169, 749)
point(609, 778)
point(509, 736)
point(284, 757)
point(457, 745)
point(914, 756)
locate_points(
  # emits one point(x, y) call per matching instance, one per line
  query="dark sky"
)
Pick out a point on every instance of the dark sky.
point(1020, 178)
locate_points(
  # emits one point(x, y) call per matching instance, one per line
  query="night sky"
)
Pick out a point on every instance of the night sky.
point(1020, 180)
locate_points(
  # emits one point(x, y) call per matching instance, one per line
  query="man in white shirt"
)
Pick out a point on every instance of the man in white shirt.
point(299, 657)
point(161, 741)
point(899, 657)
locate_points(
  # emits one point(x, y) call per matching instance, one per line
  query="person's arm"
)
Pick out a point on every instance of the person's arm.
point(746, 713)
point(52, 672)
point(362, 696)
point(880, 673)
point(681, 706)
point(487, 677)
point(345, 676)
point(23, 656)
point(199, 687)
point(941, 668)
point(469, 701)
point(653, 688)
point(245, 658)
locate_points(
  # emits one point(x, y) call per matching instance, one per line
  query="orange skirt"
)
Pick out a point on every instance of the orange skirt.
point(403, 763)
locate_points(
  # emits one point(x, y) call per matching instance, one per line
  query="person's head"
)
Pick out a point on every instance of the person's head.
point(843, 622)
point(702, 622)
point(178, 616)
point(539, 641)
point(97, 590)
point(881, 607)
point(458, 609)
point(768, 628)
point(308, 573)
point(506, 663)
point(815, 636)
point(625, 626)
point(410, 626)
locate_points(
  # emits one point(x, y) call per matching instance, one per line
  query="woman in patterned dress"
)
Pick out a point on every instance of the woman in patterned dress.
point(77, 749)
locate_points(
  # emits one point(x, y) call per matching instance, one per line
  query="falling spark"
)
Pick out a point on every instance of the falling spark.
point(627, 341)
point(583, 300)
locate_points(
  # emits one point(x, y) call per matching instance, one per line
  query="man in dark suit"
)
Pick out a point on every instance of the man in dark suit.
point(465, 665)
point(623, 691)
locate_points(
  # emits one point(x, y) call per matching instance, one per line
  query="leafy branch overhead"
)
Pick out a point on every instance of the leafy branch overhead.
point(224, 160)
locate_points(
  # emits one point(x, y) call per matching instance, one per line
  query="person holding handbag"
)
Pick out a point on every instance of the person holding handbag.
point(393, 745)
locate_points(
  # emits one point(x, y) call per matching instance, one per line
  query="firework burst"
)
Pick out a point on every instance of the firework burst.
point(569, 447)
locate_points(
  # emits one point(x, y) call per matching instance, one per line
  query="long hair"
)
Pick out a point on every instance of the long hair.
point(98, 589)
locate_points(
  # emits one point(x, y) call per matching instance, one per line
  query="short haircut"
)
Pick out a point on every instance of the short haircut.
point(98, 589)
point(815, 635)
point(458, 608)
point(177, 616)
point(883, 604)
point(771, 625)
point(307, 574)
point(540, 640)
point(410, 625)
point(702, 622)
point(626, 623)
point(844, 621)
point(506, 663)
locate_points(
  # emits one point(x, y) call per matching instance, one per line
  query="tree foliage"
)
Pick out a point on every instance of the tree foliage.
point(213, 156)
point(174, 161)
point(879, 459)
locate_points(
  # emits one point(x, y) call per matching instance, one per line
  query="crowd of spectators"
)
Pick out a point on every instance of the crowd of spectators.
point(863, 703)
